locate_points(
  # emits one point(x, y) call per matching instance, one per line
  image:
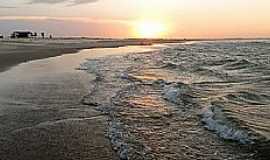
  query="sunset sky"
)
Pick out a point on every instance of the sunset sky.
point(139, 18)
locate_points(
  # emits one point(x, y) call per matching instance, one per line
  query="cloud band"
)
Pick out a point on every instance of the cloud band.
point(73, 2)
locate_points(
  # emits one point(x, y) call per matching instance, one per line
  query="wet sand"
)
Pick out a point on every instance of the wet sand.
point(41, 110)
point(13, 52)
point(132, 103)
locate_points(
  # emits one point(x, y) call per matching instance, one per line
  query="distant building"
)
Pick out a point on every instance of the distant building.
point(22, 34)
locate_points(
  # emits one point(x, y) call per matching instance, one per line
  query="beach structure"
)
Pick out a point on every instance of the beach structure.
point(42, 35)
point(21, 34)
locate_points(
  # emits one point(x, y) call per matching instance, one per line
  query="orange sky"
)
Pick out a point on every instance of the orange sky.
point(121, 18)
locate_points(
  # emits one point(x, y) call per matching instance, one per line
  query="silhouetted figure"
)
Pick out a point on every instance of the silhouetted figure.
point(42, 35)
point(50, 36)
point(34, 35)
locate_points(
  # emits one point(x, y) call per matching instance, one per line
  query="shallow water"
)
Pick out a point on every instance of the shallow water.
point(231, 79)
point(41, 114)
point(156, 100)
point(176, 103)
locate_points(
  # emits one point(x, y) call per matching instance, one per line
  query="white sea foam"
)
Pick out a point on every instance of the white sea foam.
point(172, 94)
point(213, 116)
point(177, 93)
point(215, 120)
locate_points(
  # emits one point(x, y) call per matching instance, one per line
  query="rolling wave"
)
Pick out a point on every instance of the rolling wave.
point(235, 89)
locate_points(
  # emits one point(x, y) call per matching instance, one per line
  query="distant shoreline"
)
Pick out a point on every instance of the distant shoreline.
point(16, 51)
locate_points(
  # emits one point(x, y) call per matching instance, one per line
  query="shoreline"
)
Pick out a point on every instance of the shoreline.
point(151, 114)
point(42, 115)
point(147, 96)
point(14, 52)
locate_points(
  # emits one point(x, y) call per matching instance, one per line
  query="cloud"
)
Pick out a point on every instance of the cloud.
point(84, 1)
point(7, 7)
point(72, 2)
point(74, 19)
point(66, 26)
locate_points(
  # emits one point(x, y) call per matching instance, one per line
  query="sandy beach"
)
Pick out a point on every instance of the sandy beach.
point(42, 114)
point(134, 80)
point(165, 101)
point(13, 52)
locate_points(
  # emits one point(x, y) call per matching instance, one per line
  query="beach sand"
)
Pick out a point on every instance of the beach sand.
point(16, 51)
point(139, 102)
point(41, 112)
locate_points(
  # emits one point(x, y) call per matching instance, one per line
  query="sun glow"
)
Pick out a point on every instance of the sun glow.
point(150, 29)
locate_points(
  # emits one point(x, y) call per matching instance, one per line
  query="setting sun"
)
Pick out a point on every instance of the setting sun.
point(149, 29)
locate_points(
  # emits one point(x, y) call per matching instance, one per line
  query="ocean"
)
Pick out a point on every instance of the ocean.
point(232, 80)
point(210, 99)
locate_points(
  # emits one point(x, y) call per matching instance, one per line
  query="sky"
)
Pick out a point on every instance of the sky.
point(139, 18)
